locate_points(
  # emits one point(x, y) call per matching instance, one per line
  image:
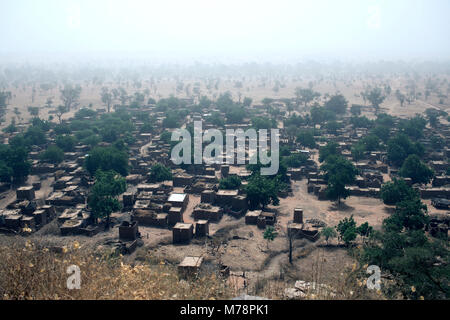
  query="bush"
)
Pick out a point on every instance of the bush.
point(230, 183)
point(53, 154)
point(396, 191)
point(107, 158)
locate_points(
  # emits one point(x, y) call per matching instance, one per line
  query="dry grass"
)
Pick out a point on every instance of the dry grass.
point(31, 271)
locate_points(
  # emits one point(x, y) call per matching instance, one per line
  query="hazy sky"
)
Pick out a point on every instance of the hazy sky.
point(275, 30)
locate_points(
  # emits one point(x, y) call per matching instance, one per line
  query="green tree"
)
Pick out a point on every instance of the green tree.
point(331, 149)
point(397, 190)
point(107, 98)
point(102, 199)
point(262, 191)
point(53, 154)
point(269, 234)
point(376, 97)
point(337, 104)
point(15, 159)
point(400, 147)
point(247, 102)
point(66, 142)
point(417, 263)
point(35, 136)
point(306, 139)
point(160, 172)
point(358, 151)
point(70, 96)
point(328, 233)
point(6, 172)
point(364, 230)
point(415, 169)
point(230, 183)
point(105, 159)
point(338, 173)
point(305, 96)
point(347, 230)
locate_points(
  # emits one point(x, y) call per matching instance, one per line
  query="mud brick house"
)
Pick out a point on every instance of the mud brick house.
point(440, 203)
point(207, 212)
point(128, 231)
point(208, 196)
point(225, 197)
point(440, 181)
point(179, 200)
point(202, 228)
point(182, 232)
point(298, 215)
point(251, 217)
point(175, 215)
point(182, 180)
point(145, 217)
point(25, 193)
point(435, 193)
point(128, 199)
point(189, 267)
point(62, 182)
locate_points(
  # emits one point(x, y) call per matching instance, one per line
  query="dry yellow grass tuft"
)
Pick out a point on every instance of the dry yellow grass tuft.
point(30, 271)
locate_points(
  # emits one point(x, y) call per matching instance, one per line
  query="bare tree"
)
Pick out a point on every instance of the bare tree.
point(70, 96)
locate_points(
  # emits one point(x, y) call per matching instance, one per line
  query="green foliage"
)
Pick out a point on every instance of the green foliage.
point(361, 122)
point(333, 126)
point(159, 173)
point(371, 142)
point(53, 154)
point(328, 233)
point(415, 169)
point(400, 147)
point(105, 159)
point(295, 160)
point(230, 183)
point(329, 150)
point(235, 114)
point(337, 104)
point(376, 97)
point(413, 127)
point(294, 120)
point(355, 110)
point(347, 230)
point(364, 230)
point(85, 113)
point(262, 191)
point(410, 214)
point(35, 136)
point(247, 102)
point(62, 129)
point(102, 198)
point(338, 173)
point(216, 119)
point(66, 142)
point(395, 191)
point(270, 234)
point(306, 138)
point(15, 161)
point(358, 151)
point(381, 132)
point(263, 123)
point(305, 96)
point(6, 172)
point(418, 264)
point(320, 115)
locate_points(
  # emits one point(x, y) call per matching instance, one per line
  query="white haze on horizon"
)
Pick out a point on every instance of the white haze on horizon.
point(279, 31)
